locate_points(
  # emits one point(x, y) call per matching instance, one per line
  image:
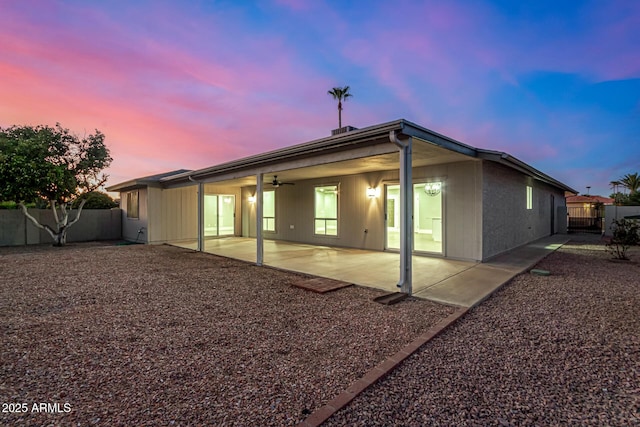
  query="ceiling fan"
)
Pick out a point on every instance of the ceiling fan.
point(277, 183)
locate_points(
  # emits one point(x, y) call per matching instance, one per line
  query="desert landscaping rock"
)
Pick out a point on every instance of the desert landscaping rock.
point(555, 350)
point(159, 335)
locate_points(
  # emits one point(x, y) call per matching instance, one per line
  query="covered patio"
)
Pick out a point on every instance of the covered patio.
point(373, 172)
point(362, 206)
point(446, 281)
point(373, 269)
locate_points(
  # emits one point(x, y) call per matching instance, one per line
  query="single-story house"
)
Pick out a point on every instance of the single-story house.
point(588, 202)
point(394, 186)
point(586, 213)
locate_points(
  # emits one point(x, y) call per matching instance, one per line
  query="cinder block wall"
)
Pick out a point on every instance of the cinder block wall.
point(612, 213)
point(507, 223)
point(94, 224)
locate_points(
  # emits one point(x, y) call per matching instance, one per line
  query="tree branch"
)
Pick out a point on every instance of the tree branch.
point(35, 221)
point(65, 214)
point(55, 211)
point(79, 212)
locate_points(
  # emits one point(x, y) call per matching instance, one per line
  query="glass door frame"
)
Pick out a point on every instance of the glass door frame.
point(219, 202)
point(421, 181)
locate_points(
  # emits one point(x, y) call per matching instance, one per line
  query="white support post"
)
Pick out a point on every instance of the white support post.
point(259, 242)
point(406, 213)
point(200, 217)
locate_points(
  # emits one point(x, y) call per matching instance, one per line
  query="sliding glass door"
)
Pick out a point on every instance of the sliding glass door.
point(219, 215)
point(427, 217)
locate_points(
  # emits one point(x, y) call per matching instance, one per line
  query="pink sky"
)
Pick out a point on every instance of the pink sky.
point(189, 85)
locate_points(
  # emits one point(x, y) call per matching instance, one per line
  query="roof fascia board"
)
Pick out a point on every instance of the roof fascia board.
point(429, 136)
point(270, 168)
point(370, 136)
point(133, 185)
point(312, 153)
point(514, 163)
point(145, 181)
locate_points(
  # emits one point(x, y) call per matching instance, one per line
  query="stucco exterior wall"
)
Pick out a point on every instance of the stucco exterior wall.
point(131, 226)
point(507, 223)
point(295, 213)
point(358, 212)
point(484, 210)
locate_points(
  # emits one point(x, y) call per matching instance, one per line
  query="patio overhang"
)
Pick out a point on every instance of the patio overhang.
point(356, 151)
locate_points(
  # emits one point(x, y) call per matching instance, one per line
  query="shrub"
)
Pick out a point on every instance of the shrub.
point(95, 200)
point(14, 205)
point(626, 233)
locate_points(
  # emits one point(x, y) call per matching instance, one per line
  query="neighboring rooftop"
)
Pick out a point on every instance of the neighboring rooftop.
point(590, 199)
point(151, 180)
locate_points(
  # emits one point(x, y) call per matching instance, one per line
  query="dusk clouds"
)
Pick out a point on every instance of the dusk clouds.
point(190, 84)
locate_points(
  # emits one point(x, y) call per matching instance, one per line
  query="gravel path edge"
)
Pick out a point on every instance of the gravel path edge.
point(380, 371)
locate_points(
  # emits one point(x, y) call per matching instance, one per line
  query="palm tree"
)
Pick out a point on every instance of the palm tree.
point(631, 181)
point(340, 94)
point(614, 186)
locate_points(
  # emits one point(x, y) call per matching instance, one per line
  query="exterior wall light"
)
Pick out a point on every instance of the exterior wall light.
point(373, 192)
point(432, 188)
point(252, 199)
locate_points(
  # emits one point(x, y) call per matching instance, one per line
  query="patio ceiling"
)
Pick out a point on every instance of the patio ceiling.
point(424, 154)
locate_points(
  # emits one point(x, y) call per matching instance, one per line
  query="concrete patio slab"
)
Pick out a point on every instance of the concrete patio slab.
point(458, 283)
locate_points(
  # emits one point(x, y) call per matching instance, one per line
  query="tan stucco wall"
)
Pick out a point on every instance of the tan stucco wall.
point(484, 210)
point(357, 212)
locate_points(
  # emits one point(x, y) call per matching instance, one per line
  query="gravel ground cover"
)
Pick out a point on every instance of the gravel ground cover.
point(560, 350)
point(159, 335)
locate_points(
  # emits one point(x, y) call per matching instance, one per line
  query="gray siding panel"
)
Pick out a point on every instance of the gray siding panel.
point(179, 220)
point(463, 211)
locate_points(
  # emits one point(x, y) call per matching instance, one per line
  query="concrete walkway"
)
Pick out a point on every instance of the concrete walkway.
point(459, 283)
point(472, 286)
point(469, 288)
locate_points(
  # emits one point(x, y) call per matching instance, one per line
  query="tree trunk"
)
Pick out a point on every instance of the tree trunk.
point(59, 236)
point(339, 115)
point(60, 239)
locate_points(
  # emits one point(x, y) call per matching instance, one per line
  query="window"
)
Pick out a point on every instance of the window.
point(529, 197)
point(326, 210)
point(269, 211)
point(132, 205)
